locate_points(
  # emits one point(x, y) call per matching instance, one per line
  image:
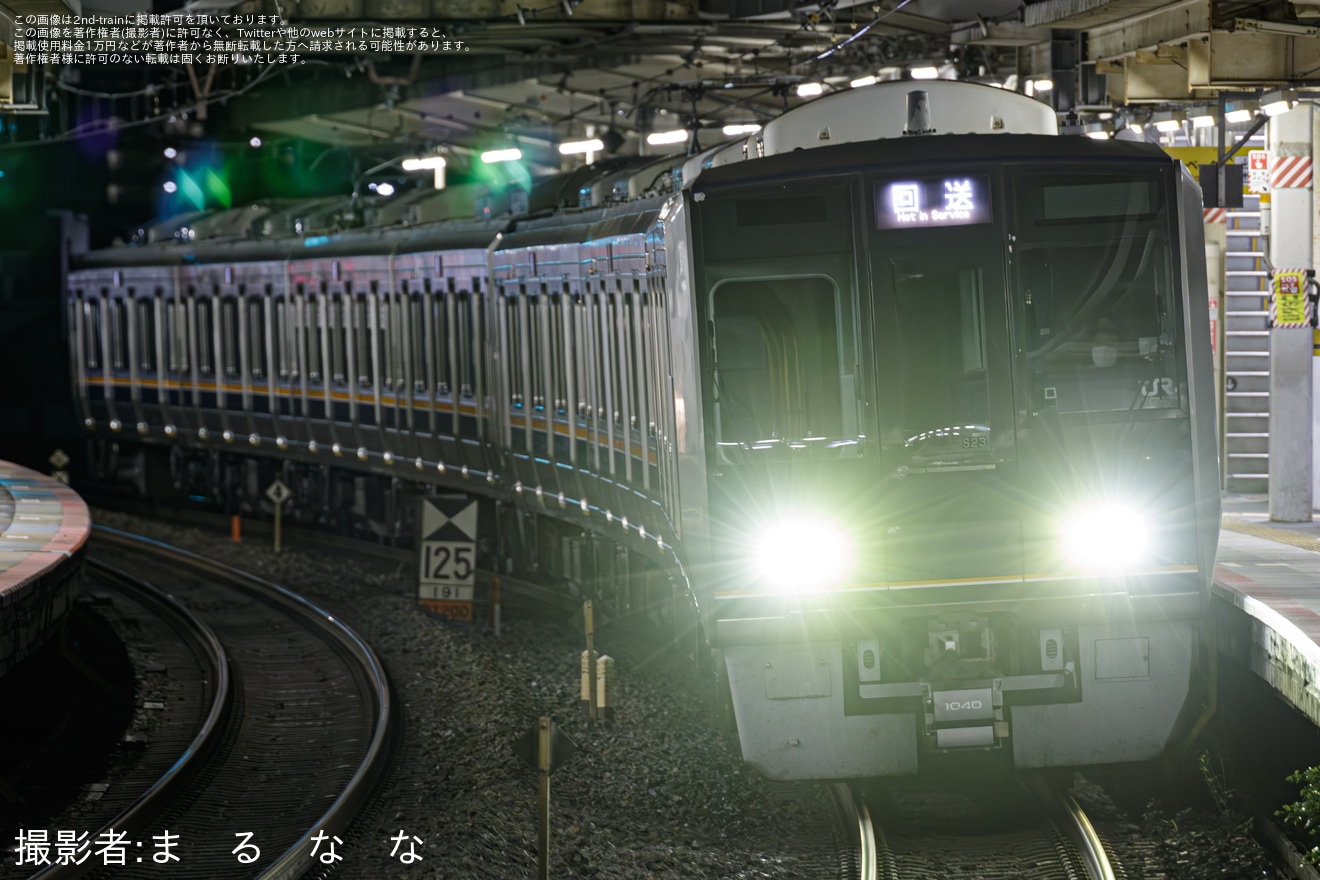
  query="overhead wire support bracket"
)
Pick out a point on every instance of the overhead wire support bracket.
point(1256, 126)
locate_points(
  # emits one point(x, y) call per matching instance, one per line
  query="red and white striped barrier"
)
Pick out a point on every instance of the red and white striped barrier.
point(1215, 215)
point(1290, 172)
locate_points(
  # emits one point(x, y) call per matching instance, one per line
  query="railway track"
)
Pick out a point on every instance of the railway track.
point(931, 835)
point(288, 716)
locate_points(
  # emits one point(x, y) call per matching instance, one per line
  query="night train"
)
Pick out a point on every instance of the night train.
point(901, 408)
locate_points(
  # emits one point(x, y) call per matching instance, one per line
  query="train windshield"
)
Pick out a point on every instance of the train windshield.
point(939, 324)
point(1096, 293)
point(777, 361)
point(779, 312)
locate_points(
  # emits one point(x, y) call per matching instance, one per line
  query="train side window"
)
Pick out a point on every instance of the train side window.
point(362, 339)
point(467, 326)
point(256, 336)
point(417, 330)
point(312, 308)
point(92, 329)
point(559, 355)
point(339, 316)
point(514, 347)
point(536, 349)
point(118, 334)
point(205, 334)
point(176, 312)
point(399, 343)
point(146, 333)
point(229, 353)
point(280, 330)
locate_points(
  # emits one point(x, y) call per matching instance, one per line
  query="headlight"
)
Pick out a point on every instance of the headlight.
point(1107, 537)
point(802, 554)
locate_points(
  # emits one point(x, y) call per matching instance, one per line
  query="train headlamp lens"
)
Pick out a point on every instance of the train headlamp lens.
point(1106, 537)
point(802, 555)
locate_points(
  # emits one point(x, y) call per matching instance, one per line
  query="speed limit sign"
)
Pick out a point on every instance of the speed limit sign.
point(447, 555)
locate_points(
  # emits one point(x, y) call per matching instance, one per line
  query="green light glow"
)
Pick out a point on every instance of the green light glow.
point(189, 189)
point(218, 189)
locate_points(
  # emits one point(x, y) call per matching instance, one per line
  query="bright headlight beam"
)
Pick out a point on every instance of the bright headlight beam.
point(1106, 537)
point(802, 554)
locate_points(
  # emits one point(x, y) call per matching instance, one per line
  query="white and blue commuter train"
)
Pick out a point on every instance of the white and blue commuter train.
point(903, 406)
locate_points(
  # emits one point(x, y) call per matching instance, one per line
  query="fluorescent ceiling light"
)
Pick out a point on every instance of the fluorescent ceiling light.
point(1274, 108)
point(1043, 85)
point(1168, 125)
point(677, 136)
point(809, 90)
point(1238, 115)
point(925, 73)
point(424, 164)
point(750, 128)
point(569, 148)
point(1203, 121)
point(512, 154)
point(864, 81)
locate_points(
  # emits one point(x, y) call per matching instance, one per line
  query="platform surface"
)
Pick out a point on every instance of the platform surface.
point(43, 528)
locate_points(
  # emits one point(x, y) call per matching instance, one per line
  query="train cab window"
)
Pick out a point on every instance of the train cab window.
point(1096, 294)
point(777, 377)
point(939, 314)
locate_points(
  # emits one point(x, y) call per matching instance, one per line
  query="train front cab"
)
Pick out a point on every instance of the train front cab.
point(959, 452)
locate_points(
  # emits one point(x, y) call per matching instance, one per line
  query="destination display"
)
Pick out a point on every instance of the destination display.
point(947, 201)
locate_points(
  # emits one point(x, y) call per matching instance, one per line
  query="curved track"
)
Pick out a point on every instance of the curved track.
point(294, 740)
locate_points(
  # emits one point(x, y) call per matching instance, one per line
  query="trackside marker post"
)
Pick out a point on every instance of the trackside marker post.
point(545, 748)
point(589, 663)
point(278, 493)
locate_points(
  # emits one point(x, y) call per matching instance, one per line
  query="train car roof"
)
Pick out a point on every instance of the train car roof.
point(899, 153)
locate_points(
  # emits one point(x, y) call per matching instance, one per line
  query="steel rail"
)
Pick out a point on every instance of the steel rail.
point(135, 815)
point(1086, 839)
point(856, 817)
point(295, 860)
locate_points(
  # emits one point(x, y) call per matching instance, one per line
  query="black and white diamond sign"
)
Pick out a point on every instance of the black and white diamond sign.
point(449, 518)
point(447, 549)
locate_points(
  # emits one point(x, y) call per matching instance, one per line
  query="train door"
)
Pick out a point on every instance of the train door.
point(944, 393)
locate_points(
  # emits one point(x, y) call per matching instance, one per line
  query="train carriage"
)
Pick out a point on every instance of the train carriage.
point(899, 409)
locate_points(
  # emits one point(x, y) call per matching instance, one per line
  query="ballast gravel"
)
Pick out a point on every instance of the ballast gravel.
point(655, 794)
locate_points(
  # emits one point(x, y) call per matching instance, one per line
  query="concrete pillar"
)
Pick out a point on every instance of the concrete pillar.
point(1291, 382)
point(1315, 261)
